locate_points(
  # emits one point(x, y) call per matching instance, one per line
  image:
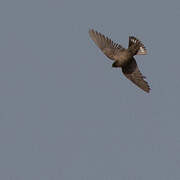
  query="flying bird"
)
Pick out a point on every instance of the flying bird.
point(123, 58)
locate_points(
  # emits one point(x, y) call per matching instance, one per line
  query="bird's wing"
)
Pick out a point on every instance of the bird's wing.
point(107, 46)
point(135, 43)
point(131, 71)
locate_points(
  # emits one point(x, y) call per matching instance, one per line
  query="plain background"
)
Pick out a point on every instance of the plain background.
point(65, 113)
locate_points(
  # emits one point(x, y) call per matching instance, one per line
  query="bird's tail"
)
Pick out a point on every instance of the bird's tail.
point(136, 46)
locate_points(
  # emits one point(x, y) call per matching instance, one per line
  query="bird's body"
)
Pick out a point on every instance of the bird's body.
point(123, 58)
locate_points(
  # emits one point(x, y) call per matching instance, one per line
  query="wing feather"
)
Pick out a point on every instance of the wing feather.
point(107, 46)
point(131, 71)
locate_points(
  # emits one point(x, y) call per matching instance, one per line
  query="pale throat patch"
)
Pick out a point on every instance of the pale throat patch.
point(133, 40)
point(142, 49)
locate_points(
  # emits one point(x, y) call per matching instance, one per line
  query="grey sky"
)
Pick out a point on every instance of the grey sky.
point(65, 114)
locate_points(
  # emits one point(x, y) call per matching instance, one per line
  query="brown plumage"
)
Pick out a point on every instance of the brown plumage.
point(122, 57)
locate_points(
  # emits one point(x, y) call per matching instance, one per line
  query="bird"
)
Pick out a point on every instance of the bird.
point(122, 57)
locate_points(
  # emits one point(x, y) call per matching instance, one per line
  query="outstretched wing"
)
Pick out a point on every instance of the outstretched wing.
point(107, 46)
point(131, 71)
point(137, 46)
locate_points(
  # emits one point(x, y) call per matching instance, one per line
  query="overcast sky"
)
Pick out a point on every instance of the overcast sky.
point(65, 113)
